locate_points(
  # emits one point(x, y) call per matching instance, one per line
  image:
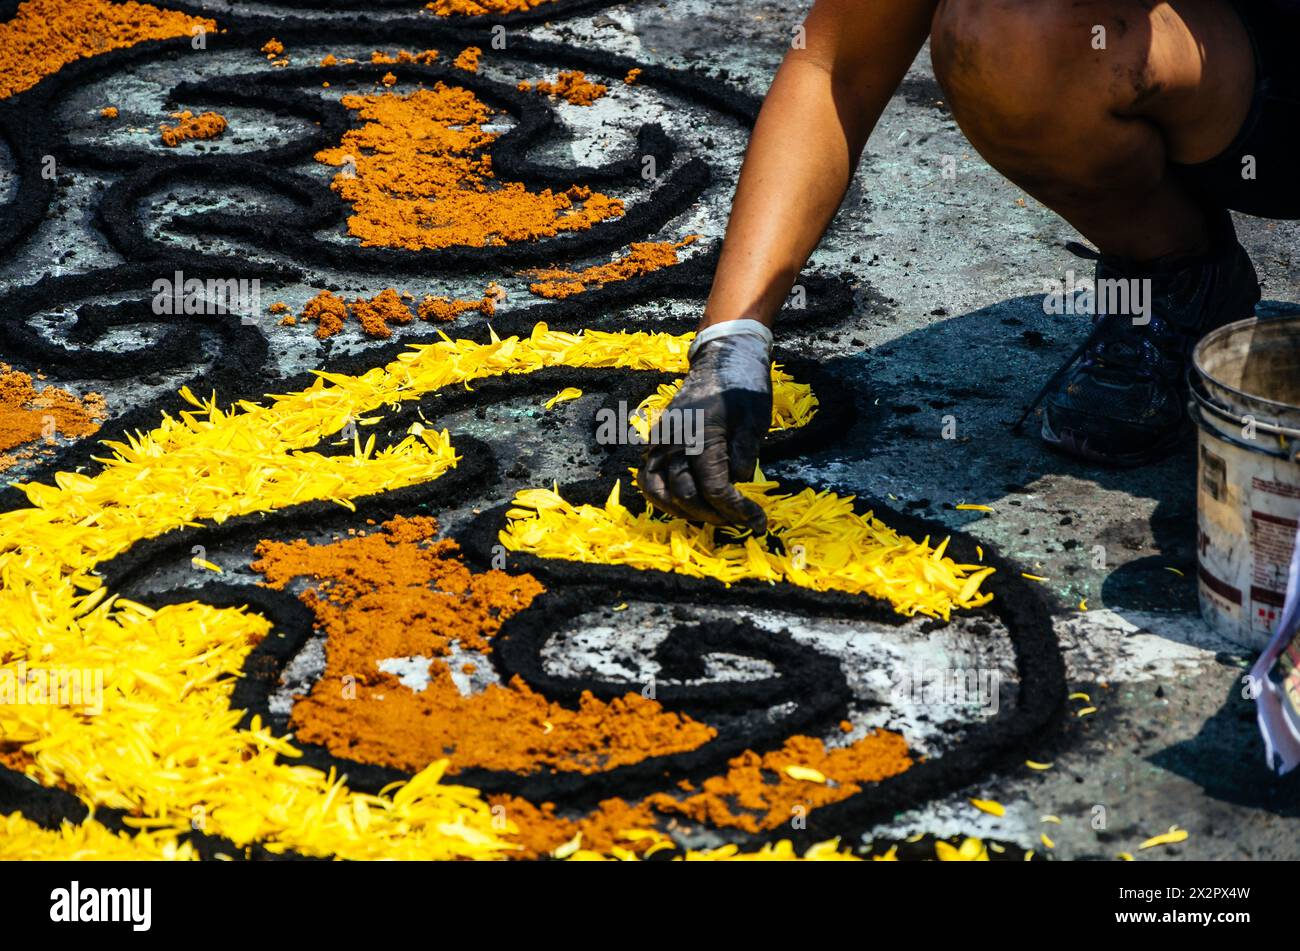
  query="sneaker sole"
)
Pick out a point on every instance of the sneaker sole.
point(1075, 444)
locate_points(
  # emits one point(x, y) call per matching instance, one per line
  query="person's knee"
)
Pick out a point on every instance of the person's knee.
point(1010, 68)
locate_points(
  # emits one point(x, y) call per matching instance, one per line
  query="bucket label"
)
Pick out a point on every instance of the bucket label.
point(1271, 539)
point(1214, 475)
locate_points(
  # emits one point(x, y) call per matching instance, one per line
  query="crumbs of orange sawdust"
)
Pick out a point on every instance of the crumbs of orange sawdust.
point(613, 824)
point(377, 314)
point(108, 112)
point(380, 58)
point(327, 311)
point(644, 257)
point(572, 86)
point(31, 419)
point(468, 59)
point(444, 309)
point(474, 8)
point(46, 35)
point(418, 177)
point(402, 593)
point(206, 125)
point(757, 792)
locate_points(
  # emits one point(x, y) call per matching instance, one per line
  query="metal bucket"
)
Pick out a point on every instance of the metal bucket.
point(1246, 404)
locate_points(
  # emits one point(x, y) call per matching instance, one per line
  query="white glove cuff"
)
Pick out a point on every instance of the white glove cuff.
point(729, 328)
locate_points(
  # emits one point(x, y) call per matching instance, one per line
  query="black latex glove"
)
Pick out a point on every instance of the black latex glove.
point(728, 392)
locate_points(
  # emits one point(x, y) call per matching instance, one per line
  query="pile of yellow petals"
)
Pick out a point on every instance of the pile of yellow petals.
point(825, 546)
point(22, 839)
point(166, 747)
point(793, 404)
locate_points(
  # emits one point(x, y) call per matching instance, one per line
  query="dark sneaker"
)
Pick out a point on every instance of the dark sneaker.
point(1121, 398)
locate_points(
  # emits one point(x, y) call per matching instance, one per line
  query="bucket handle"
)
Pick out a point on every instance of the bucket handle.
point(1288, 440)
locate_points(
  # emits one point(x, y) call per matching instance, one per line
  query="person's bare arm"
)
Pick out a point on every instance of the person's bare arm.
point(815, 121)
point(823, 104)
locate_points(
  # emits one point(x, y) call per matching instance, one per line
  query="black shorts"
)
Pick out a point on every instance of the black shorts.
point(1268, 144)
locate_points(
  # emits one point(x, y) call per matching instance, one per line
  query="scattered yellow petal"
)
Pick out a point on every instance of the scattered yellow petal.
point(1085, 711)
point(204, 563)
point(568, 848)
point(989, 806)
point(1055, 820)
point(1080, 695)
point(1046, 841)
point(1174, 835)
point(805, 773)
point(1025, 574)
point(1175, 571)
point(1034, 765)
point(566, 394)
point(969, 507)
point(1125, 857)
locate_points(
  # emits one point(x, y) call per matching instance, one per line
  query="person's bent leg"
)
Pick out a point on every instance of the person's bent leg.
point(1089, 106)
point(1086, 104)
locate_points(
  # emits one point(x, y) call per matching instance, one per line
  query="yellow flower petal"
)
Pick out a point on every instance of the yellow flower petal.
point(1173, 836)
point(566, 394)
point(805, 773)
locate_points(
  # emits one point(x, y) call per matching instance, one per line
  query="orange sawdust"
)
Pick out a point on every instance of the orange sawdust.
point(108, 112)
point(445, 309)
point(272, 48)
point(612, 824)
point(378, 314)
point(572, 86)
point(46, 35)
point(327, 311)
point(756, 792)
point(645, 256)
point(403, 593)
point(632, 75)
point(388, 79)
point(380, 58)
point(381, 310)
point(468, 59)
point(28, 415)
point(206, 125)
point(418, 177)
point(474, 8)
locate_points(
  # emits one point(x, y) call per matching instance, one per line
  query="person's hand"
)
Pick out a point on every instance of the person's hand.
point(709, 434)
